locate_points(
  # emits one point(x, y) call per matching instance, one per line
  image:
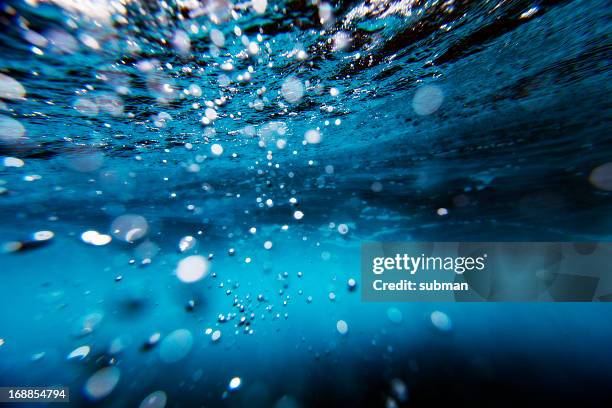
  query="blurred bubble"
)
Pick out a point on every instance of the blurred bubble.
point(342, 327)
point(146, 251)
point(259, 6)
point(86, 106)
point(292, 90)
point(427, 99)
point(216, 149)
point(175, 346)
point(87, 324)
point(326, 14)
point(12, 162)
point(234, 384)
point(102, 383)
point(181, 42)
point(441, 321)
point(186, 243)
point(78, 353)
point(10, 88)
point(43, 235)
point(192, 269)
point(95, 238)
point(601, 177)
point(218, 10)
point(10, 129)
point(110, 103)
point(217, 37)
point(129, 227)
point(312, 136)
point(340, 42)
point(84, 160)
point(156, 399)
point(61, 41)
point(399, 389)
point(394, 315)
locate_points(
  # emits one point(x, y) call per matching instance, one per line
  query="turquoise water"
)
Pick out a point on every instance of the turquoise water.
point(184, 187)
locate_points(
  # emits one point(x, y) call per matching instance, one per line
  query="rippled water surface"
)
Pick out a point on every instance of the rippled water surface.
point(184, 187)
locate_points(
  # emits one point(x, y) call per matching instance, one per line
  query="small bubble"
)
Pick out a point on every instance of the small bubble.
point(216, 149)
point(176, 346)
point(234, 384)
point(441, 321)
point(102, 383)
point(78, 353)
point(342, 327)
point(216, 335)
point(192, 269)
point(156, 399)
point(292, 90)
point(427, 99)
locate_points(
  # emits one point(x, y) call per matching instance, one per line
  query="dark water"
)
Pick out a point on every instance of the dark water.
point(279, 141)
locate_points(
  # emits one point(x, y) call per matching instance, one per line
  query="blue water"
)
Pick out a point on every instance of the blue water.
point(311, 128)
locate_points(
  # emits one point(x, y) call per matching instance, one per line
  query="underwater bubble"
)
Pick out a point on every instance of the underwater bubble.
point(61, 41)
point(129, 227)
point(216, 149)
point(79, 352)
point(268, 244)
point(95, 238)
point(601, 177)
point(86, 106)
point(334, 92)
point(326, 14)
point(441, 321)
point(427, 99)
point(88, 323)
point(259, 6)
point(253, 48)
point(395, 315)
point(343, 229)
point(110, 103)
point(102, 383)
point(286, 402)
point(10, 88)
point(352, 284)
point(10, 129)
point(341, 40)
point(181, 42)
point(298, 215)
point(153, 340)
point(292, 90)
point(186, 243)
point(234, 384)
point(376, 187)
point(216, 335)
point(12, 162)
point(192, 269)
point(217, 37)
point(43, 235)
point(84, 160)
point(312, 136)
point(442, 212)
point(399, 389)
point(342, 327)
point(211, 114)
point(156, 399)
point(146, 251)
point(176, 346)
